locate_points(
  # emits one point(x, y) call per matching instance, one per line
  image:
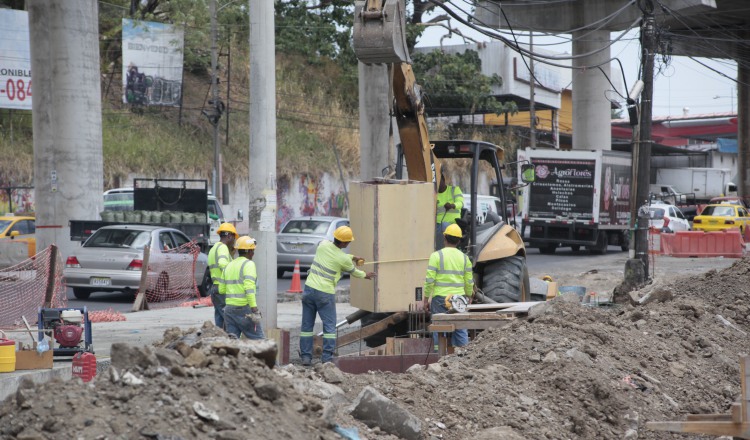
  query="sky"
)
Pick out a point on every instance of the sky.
point(682, 84)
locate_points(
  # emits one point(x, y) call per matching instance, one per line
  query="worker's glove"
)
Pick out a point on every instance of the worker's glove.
point(255, 316)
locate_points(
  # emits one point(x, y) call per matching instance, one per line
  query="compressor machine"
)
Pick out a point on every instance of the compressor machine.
point(70, 328)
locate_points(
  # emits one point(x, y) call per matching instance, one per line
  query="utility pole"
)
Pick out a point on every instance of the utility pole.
point(639, 219)
point(532, 92)
point(216, 113)
point(262, 179)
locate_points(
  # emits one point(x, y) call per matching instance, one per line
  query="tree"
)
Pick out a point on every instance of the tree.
point(454, 84)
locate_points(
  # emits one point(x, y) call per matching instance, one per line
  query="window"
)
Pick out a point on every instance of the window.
point(214, 210)
point(22, 227)
point(679, 214)
point(306, 227)
point(119, 238)
point(180, 240)
point(166, 241)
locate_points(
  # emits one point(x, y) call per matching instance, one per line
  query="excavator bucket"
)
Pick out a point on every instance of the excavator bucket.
point(380, 31)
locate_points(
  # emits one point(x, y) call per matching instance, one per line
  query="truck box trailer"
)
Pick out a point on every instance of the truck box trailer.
point(578, 198)
point(701, 183)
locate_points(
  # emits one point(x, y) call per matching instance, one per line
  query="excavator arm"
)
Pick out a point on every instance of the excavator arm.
point(379, 38)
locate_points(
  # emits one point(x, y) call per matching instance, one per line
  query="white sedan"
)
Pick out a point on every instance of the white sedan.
point(667, 218)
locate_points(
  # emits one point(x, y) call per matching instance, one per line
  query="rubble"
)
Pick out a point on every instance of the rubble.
point(569, 371)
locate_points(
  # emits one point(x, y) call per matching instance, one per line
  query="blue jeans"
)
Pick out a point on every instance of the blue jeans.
point(324, 304)
point(237, 322)
point(218, 301)
point(460, 337)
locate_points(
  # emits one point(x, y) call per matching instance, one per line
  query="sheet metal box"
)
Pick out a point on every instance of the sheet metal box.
point(394, 231)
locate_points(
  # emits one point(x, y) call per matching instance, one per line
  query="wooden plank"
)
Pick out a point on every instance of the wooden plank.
point(490, 316)
point(737, 412)
point(441, 327)
point(521, 308)
point(495, 306)
point(389, 346)
point(370, 330)
point(470, 325)
point(740, 430)
point(140, 302)
point(709, 417)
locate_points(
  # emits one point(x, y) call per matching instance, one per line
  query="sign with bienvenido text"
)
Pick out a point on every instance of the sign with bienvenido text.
point(151, 63)
point(15, 60)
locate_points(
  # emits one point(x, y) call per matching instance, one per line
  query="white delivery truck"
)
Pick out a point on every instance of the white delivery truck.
point(579, 198)
point(698, 184)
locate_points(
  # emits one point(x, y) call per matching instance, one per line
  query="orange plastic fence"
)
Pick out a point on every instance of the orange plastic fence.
point(23, 288)
point(171, 276)
point(728, 243)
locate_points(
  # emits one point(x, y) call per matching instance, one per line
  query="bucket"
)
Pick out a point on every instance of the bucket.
point(579, 290)
point(7, 355)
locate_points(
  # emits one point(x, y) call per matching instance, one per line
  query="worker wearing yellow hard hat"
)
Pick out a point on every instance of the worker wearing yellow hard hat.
point(449, 272)
point(238, 286)
point(219, 257)
point(319, 298)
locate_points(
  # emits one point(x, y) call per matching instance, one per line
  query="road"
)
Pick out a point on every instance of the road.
point(563, 264)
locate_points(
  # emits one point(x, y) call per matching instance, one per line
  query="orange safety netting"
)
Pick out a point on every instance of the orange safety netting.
point(205, 302)
point(109, 315)
point(23, 288)
point(172, 277)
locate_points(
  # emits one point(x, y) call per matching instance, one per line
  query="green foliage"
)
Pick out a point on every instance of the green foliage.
point(454, 84)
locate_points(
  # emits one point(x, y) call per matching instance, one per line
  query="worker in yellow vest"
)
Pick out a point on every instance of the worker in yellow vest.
point(319, 296)
point(450, 201)
point(239, 287)
point(219, 257)
point(449, 273)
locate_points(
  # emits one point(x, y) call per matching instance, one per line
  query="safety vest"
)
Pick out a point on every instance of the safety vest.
point(218, 259)
point(448, 273)
point(327, 266)
point(238, 283)
point(452, 194)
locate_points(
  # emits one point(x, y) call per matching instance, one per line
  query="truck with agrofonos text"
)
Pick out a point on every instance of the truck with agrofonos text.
point(579, 198)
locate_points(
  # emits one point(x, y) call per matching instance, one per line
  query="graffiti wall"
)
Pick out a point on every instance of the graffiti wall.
point(309, 195)
point(16, 201)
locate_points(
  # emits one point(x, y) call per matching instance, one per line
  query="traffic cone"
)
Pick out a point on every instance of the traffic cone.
point(296, 286)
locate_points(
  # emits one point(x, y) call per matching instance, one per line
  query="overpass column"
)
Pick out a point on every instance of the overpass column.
point(67, 117)
point(374, 96)
point(591, 110)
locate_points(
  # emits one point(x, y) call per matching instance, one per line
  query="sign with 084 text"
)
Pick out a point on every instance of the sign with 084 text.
point(15, 60)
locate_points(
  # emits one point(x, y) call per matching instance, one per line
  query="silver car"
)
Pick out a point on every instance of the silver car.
point(299, 238)
point(112, 258)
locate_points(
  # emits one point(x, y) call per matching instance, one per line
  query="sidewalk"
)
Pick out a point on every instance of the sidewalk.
point(144, 328)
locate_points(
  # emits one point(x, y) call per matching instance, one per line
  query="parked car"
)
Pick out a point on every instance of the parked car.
point(675, 219)
point(720, 217)
point(299, 238)
point(730, 200)
point(112, 258)
point(19, 228)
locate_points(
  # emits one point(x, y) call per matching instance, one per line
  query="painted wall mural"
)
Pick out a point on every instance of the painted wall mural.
point(16, 201)
point(308, 195)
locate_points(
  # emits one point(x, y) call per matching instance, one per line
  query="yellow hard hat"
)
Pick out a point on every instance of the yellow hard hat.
point(454, 231)
point(546, 278)
point(343, 234)
point(245, 243)
point(227, 227)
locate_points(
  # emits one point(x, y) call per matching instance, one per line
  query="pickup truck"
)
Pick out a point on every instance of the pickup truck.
point(159, 196)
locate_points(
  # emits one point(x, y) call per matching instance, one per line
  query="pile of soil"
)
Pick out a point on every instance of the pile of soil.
point(566, 371)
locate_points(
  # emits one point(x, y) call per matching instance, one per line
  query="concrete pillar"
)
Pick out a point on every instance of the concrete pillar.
point(262, 181)
point(67, 117)
point(591, 110)
point(743, 125)
point(374, 120)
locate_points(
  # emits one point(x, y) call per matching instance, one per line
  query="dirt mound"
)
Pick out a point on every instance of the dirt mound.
point(579, 372)
point(566, 371)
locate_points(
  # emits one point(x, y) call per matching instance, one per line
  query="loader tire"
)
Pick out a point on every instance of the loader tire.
point(506, 280)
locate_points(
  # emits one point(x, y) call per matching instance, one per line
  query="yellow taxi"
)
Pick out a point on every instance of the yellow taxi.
point(720, 217)
point(19, 228)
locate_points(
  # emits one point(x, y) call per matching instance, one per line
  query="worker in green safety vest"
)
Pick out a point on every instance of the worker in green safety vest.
point(219, 257)
point(239, 287)
point(449, 272)
point(319, 296)
point(450, 201)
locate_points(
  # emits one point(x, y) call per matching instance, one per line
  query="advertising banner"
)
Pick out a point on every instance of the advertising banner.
point(15, 60)
point(563, 188)
point(151, 63)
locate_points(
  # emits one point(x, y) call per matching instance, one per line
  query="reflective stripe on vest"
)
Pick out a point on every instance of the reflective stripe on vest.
point(214, 267)
point(236, 294)
point(450, 280)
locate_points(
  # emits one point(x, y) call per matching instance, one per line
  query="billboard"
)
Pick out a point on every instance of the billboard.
point(15, 60)
point(151, 63)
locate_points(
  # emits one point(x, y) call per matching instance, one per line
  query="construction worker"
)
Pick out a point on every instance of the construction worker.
point(219, 257)
point(448, 273)
point(238, 286)
point(319, 296)
point(450, 201)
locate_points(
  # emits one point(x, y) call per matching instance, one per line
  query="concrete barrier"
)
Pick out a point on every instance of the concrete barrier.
point(728, 243)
